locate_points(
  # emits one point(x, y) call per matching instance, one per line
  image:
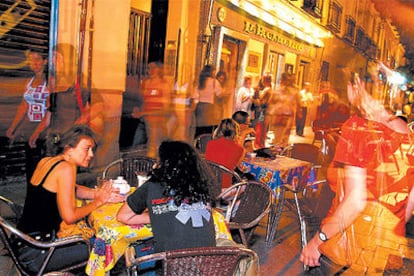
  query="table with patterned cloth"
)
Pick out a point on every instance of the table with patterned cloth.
point(113, 237)
point(276, 173)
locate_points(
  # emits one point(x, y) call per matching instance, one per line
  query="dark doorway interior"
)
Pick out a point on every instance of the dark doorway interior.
point(159, 12)
point(132, 132)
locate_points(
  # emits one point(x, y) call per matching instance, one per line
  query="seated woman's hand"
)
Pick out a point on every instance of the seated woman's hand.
point(107, 194)
point(116, 196)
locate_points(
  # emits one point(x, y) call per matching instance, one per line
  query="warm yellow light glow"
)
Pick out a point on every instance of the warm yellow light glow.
point(286, 18)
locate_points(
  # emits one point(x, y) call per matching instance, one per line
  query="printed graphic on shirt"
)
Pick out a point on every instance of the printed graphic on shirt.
point(195, 211)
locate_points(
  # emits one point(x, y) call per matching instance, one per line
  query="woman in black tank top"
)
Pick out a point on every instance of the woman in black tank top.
point(50, 195)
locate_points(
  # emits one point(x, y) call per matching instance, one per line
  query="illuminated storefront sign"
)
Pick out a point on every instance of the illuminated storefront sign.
point(261, 31)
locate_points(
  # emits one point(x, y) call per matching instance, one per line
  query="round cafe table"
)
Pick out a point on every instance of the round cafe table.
point(113, 237)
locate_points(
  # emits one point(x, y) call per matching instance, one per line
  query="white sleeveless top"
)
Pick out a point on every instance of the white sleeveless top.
point(36, 97)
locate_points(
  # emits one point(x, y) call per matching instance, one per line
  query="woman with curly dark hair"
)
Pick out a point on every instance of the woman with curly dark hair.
point(177, 198)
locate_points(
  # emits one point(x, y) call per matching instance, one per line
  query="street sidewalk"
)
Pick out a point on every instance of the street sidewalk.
point(14, 188)
point(282, 258)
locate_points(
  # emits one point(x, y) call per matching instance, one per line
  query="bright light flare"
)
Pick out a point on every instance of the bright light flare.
point(397, 78)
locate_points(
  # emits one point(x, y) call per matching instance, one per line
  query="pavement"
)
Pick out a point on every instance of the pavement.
point(287, 241)
point(280, 258)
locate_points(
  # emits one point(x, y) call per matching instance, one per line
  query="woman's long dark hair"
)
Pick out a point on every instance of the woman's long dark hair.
point(206, 73)
point(183, 173)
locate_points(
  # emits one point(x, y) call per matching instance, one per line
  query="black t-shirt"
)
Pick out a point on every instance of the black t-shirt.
point(169, 232)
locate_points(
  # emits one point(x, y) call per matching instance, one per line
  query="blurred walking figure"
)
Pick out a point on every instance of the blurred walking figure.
point(282, 109)
point(260, 104)
point(208, 92)
point(221, 101)
point(370, 209)
point(157, 106)
point(32, 108)
point(31, 111)
point(305, 101)
point(245, 95)
point(70, 103)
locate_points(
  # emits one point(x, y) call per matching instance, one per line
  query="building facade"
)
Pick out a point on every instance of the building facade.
point(318, 40)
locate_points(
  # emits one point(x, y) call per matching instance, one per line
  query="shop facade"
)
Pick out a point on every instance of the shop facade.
point(245, 45)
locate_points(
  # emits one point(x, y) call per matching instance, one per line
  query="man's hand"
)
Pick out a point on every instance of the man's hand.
point(136, 113)
point(310, 254)
point(248, 131)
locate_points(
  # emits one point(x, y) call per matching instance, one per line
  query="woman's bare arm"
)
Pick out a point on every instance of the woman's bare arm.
point(127, 216)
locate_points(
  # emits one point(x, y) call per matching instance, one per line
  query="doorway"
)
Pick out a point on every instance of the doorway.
point(229, 63)
point(275, 66)
point(303, 73)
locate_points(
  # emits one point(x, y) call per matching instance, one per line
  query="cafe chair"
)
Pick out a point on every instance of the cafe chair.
point(247, 203)
point(8, 231)
point(309, 153)
point(306, 206)
point(128, 167)
point(219, 172)
point(303, 151)
point(10, 210)
point(200, 142)
point(220, 260)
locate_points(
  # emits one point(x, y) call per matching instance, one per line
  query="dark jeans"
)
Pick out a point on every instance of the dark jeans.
point(409, 228)
point(33, 156)
point(32, 258)
point(300, 122)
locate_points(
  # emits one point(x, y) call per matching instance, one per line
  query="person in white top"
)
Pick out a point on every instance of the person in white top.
point(206, 112)
point(245, 96)
point(32, 108)
point(31, 111)
point(305, 100)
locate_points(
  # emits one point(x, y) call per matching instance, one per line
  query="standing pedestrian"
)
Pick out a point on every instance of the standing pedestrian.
point(244, 97)
point(31, 111)
point(156, 108)
point(206, 112)
point(70, 103)
point(261, 102)
point(282, 109)
point(304, 102)
point(222, 101)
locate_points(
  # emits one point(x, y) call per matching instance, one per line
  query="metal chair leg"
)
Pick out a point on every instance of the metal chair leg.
point(273, 221)
point(302, 224)
point(243, 238)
